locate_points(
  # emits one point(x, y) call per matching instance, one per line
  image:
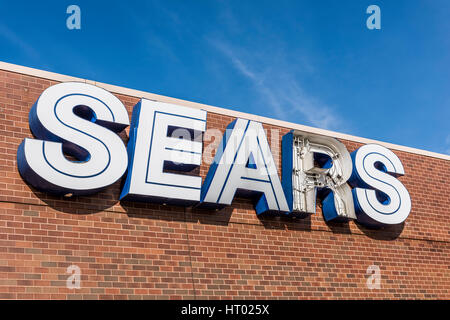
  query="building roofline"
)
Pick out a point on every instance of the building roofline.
point(151, 96)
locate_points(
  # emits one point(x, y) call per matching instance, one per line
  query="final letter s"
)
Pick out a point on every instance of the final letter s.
point(380, 198)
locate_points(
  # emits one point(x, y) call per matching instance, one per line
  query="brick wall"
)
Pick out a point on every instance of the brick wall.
point(130, 250)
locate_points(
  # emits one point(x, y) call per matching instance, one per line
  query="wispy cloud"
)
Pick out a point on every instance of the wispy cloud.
point(153, 41)
point(447, 145)
point(280, 89)
point(17, 41)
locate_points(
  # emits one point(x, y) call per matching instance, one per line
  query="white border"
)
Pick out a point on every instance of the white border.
point(151, 96)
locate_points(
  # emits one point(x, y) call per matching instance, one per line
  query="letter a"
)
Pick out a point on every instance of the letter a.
point(374, 21)
point(73, 21)
point(244, 165)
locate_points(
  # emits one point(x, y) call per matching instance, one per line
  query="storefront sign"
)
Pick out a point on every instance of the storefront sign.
point(77, 151)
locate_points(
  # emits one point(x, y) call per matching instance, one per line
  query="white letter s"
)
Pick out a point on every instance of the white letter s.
point(80, 120)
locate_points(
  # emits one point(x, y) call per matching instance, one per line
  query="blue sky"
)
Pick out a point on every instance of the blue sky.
point(309, 62)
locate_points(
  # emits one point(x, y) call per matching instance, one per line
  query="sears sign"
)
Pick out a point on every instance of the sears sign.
point(77, 151)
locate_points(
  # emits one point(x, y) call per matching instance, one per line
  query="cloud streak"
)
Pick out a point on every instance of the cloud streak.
point(279, 88)
point(447, 145)
point(15, 40)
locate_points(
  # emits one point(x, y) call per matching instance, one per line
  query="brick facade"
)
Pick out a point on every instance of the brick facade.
point(130, 250)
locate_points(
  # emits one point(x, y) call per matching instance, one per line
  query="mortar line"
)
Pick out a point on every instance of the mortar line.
point(236, 223)
point(189, 253)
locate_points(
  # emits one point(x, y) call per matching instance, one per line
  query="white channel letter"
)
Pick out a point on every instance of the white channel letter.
point(164, 138)
point(244, 162)
point(380, 197)
point(79, 120)
point(320, 162)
